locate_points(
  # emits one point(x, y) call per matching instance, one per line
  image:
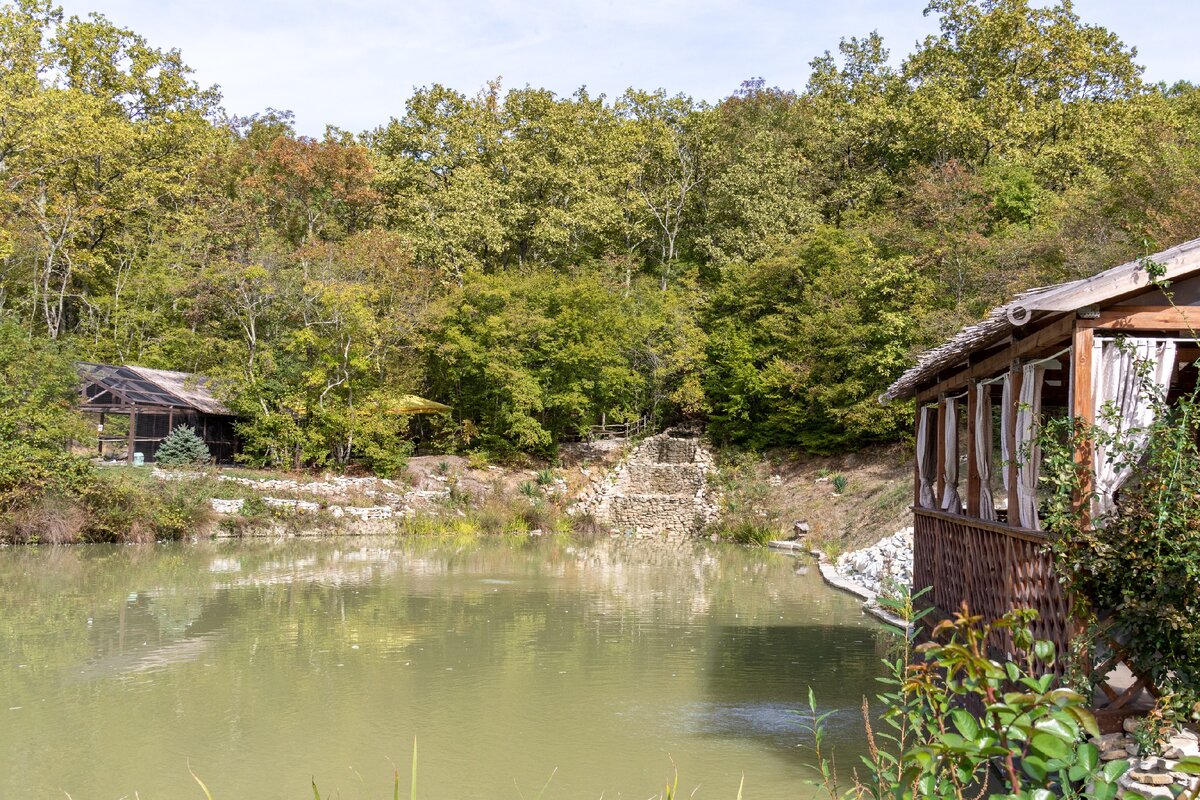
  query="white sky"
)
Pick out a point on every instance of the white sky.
point(353, 63)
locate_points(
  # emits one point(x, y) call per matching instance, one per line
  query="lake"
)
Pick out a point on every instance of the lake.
point(262, 665)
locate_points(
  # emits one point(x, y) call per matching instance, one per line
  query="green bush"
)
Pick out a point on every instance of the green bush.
point(1135, 573)
point(182, 448)
point(957, 723)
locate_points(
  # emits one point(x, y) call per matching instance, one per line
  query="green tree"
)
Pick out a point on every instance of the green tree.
point(182, 448)
point(38, 420)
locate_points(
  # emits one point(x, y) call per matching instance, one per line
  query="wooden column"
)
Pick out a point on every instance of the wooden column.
point(917, 458)
point(100, 437)
point(1083, 408)
point(1014, 517)
point(941, 451)
point(132, 434)
point(972, 467)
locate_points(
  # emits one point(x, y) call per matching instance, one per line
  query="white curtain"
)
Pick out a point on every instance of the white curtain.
point(951, 501)
point(1115, 379)
point(983, 450)
point(1030, 455)
point(926, 459)
point(1006, 430)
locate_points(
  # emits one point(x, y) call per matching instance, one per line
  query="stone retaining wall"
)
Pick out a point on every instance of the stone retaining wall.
point(660, 490)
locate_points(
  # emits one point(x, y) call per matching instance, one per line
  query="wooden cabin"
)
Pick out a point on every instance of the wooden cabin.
point(1050, 352)
point(135, 408)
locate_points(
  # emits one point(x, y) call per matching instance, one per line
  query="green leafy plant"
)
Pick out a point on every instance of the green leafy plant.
point(182, 448)
point(840, 483)
point(957, 717)
point(1134, 572)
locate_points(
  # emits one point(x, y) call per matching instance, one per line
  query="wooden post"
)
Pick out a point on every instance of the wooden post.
point(100, 437)
point(132, 434)
point(941, 451)
point(973, 482)
point(1083, 409)
point(917, 459)
point(1014, 477)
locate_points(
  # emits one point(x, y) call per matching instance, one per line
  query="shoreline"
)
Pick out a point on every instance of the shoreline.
point(838, 581)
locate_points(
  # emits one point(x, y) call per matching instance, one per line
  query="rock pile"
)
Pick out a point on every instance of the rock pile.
point(660, 490)
point(1154, 776)
point(889, 561)
point(222, 506)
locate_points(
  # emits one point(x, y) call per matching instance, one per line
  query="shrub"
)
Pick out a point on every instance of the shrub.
point(956, 719)
point(182, 448)
point(840, 483)
point(1133, 573)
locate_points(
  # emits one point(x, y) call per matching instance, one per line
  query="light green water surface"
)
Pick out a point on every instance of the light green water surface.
point(264, 665)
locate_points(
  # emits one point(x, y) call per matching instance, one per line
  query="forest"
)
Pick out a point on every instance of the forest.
point(765, 264)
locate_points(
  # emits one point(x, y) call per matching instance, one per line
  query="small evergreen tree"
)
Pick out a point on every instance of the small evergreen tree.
point(182, 448)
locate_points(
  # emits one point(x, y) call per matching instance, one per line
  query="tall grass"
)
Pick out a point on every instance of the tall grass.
point(114, 506)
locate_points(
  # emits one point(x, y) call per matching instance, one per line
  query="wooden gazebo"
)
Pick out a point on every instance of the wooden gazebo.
point(156, 401)
point(1051, 351)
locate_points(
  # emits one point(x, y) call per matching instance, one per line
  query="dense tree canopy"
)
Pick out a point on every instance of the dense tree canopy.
point(767, 264)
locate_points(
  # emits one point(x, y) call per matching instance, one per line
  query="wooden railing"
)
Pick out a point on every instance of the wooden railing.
point(993, 568)
point(617, 430)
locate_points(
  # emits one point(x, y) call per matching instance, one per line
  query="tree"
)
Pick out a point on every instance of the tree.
point(37, 419)
point(182, 448)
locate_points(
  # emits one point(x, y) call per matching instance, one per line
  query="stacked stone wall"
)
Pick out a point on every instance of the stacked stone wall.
point(661, 490)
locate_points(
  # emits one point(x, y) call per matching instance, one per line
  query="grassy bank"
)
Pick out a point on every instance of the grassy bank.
point(111, 505)
point(849, 501)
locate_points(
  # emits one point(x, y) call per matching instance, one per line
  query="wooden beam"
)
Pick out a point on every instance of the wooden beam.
point(917, 454)
point(973, 481)
point(1083, 407)
point(1055, 333)
point(133, 415)
point(1014, 516)
point(1146, 318)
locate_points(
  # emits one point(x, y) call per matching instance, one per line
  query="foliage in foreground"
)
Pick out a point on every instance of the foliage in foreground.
point(960, 725)
point(1135, 573)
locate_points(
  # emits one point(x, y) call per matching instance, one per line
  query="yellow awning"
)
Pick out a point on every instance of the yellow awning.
point(412, 404)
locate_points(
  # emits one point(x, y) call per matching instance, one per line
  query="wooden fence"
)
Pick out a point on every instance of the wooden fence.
point(993, 568)
point(615, 430)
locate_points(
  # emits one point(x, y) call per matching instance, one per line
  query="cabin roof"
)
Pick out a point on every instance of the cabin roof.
point(153, 387)
point(1040, 303)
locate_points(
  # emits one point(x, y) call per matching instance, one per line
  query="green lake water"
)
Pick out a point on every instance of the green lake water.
point(263, 665)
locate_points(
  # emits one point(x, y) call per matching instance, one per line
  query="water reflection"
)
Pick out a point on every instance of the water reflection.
point(264, 663)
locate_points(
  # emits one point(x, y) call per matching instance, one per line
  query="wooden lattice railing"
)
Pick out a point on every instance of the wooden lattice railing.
point(993, 568)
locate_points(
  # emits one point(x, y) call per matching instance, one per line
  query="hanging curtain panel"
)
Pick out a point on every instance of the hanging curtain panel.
point(1005, 429)
point(926, 457)
point(983, 450)
point(951, 501)
point(1116, 380)
point(1028, 453)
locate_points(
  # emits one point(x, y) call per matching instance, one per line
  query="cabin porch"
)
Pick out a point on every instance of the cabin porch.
point(978, 536)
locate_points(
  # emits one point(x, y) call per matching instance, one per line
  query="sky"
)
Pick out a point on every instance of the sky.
point(353, 63)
